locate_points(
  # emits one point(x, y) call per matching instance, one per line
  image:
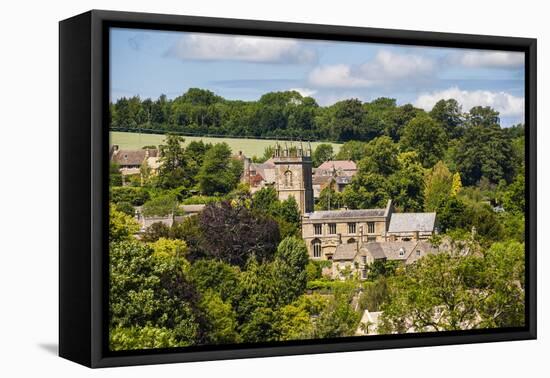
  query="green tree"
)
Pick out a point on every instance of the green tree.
point(483, 116)
point(290, 212)
point(406, 185)
point(219, 173)
point(215, 276)
point(329, 199)
point(338, 318)
point(135, 196)
point(221, 320)
point(289, 267)
point(323, 152)
point(146, 337)
point(484, 151)
point(514, 197)
point(449, 114)
point(172, 169)
point(453, 291)
point(425, 136)
point(121, 226)
point(294, 322)
point(147, 290)
point(439, 184)
point(115, 177)
point(162, 205)
point(351, 150)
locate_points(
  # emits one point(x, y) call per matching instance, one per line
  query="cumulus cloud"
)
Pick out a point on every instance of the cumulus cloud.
point(241, 48)
point(305, 92)
point(383, 69)
point(337, 76)
point(489, 59)
point(505, 103)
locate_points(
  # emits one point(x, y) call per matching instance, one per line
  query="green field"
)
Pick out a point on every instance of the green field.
point(250, 147)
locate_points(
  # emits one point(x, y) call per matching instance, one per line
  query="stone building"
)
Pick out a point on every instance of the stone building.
point(355, 258)
point(335, 173)
point(324, 231)
point(293, 175)
point(130, 161)
point(258, 175)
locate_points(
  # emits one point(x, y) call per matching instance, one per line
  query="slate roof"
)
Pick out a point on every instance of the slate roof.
point(391, 250)
point(338, 214)
point(345, 165)
point(411, 222)
point(345, 252)
point(193, 208)
point(265, 170)
point(132, 157)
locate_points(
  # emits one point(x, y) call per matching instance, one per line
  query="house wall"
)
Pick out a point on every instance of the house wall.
point(342, 235)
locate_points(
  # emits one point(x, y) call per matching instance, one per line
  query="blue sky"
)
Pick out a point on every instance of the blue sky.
point(150, 63)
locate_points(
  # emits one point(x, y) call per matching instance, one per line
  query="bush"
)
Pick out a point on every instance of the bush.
point(134, 196)
point(374, 294)
point(126, 208)
point(161, 206)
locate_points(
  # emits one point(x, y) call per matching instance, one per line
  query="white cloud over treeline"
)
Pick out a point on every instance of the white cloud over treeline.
point(505, 103)
point(241, 48)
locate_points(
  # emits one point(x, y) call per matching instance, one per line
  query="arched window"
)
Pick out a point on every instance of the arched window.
point(316, 246)
point(351, 240)
point(288, 178)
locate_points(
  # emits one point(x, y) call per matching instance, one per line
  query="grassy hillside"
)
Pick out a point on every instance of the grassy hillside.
point(249, 147)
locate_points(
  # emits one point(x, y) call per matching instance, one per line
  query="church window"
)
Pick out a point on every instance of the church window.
point(316, 248)
point(288, 178)
point(332, 228)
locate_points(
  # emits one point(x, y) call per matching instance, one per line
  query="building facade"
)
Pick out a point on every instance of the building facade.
point(293, 175)
point(354, 259)
point(324, 231)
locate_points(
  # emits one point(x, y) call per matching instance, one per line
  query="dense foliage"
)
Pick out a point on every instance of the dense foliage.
point(239, 270)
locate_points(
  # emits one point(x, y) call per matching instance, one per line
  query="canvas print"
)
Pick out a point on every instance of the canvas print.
point(274, 190)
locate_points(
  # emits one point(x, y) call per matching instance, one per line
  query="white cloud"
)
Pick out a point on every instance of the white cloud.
point(249, 49)
point(305, 92)
point(385, 68)
point(390, 66)
point(337, 76)
point(489, 59)
point(505, 103)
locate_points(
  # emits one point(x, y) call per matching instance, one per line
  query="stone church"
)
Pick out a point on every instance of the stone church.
point(293, 172)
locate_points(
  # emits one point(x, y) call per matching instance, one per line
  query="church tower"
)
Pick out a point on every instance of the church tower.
point(293, 167)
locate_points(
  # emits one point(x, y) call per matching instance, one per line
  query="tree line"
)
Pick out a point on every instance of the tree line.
point(289, 114)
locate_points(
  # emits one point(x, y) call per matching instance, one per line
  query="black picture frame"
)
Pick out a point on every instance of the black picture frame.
point(83, 165)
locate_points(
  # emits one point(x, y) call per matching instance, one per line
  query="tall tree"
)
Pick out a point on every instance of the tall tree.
point(425, 136)
point(484, 151)
point(483, 116)
point(322, 153)
point(449, 114)
point(219, 173)
point(233, 234)
point(172, 169)
point(439, 184)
